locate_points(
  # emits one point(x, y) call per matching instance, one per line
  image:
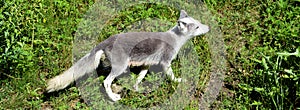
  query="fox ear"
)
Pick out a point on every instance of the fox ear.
point(183, 14)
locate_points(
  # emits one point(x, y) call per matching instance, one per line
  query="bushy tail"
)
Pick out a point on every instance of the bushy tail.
point(85, 65)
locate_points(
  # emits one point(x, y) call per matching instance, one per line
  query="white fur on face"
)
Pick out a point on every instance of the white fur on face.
point(183, 27)
point(197, 29)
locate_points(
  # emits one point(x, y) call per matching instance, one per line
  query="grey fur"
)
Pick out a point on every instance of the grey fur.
point(133, 49)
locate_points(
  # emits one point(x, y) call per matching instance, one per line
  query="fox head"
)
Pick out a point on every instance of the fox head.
point(189, 26)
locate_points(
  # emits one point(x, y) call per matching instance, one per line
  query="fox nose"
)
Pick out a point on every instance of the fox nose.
point(208, 28)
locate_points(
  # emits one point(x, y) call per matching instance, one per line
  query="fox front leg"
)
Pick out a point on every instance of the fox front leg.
point(169, 71)
point(141, 76)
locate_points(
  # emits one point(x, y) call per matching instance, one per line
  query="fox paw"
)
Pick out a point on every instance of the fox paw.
point(135, 88)
point(178, 80)
point(115, 97)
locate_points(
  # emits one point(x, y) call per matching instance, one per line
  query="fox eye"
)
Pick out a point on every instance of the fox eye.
point(197, 27)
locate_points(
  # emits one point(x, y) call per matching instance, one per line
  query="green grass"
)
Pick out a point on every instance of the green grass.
point(262, 43)
point(255, 32)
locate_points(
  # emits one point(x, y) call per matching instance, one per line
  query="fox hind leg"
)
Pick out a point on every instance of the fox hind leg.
point(115, 72)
